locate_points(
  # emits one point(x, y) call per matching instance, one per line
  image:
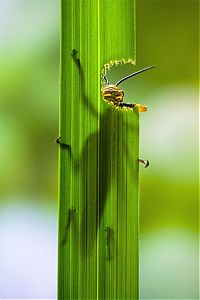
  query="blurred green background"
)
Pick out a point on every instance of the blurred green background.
point(167, 35)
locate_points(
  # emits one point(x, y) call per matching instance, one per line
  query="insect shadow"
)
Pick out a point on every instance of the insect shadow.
point(95, 170)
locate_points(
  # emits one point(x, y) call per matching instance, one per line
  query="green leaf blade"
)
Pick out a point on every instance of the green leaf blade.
point(98, 243)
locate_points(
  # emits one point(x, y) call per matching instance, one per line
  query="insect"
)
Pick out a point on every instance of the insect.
point(112, 93)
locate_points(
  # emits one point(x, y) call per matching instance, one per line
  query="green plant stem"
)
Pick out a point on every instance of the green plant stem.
point(98, 172)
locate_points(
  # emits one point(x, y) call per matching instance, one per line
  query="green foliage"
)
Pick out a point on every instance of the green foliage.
point(98, 186)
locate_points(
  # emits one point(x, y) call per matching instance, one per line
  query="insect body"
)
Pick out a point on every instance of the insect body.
point(112, 94)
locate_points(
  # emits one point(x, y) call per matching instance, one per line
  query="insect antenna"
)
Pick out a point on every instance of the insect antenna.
point(106, 79)
point(131, 75)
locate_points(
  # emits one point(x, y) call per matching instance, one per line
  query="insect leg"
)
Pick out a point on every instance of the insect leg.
point(108, 242)
point(142, 108)
point(70, 216)
point(144, 162)
point(62, 144)
point(75, 58)
point(123, 104)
